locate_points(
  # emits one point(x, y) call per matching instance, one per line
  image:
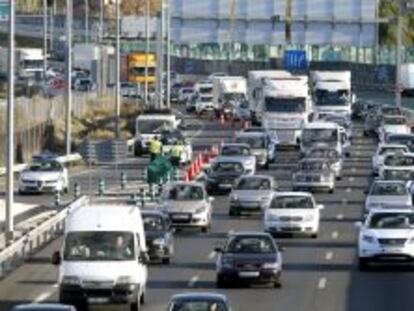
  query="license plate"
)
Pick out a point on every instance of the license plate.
point(392, 250)
point(181, 216)
point(249, 274)
point(98, 300)
point(225, 186)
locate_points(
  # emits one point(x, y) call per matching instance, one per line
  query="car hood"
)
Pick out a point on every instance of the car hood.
point(251, 258)
point(99, 271)
point(391, 200)
point(182, 206)
point(252, 195)
point(41, 176)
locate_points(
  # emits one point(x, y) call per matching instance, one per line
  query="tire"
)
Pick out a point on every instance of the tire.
point(339, 177)
point(165, 261)
point(233, 213)
point(142, 299)
point(314, 236)
point(363, 264)
point(220, 282)
point(266, 166)
point(332, 190)
point(136, 306)
point(277, 284)
point(204, 229)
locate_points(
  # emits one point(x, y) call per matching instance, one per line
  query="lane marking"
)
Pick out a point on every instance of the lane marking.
point(344, 201)
point(46, 295)
point(353, 169)
point(348, 190)
point(322, 283)
point(335, 235)
point(329, 256)
point(193, 280)
point(351, 179)
point(339, 216)
point(211, 255)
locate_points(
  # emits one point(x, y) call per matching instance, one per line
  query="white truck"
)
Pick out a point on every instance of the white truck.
point(28, 62)
point(285, 106)
point(332, 92)
point(407, 79)
point(229, 91)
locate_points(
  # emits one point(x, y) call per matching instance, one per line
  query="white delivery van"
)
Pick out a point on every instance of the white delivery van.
point(228, 92)
point(407, 79)
point(103, 259)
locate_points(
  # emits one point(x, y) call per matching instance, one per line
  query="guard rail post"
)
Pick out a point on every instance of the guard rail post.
point(76, 190)
point(152, 192)
point(123, 180)
point(160, 186)
point(142, 197)
point(57, 198)
point(101, 187)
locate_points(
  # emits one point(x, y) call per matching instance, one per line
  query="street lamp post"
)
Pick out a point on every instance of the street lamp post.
point(10, 129)
point(86, 21)
point(44, 39)
point(147, 49)
point(117, 72)
point(68, 84)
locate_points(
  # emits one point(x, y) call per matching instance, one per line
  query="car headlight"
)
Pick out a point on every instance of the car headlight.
point(124, 280)
point(368, 239)
point(71, 280)
point(271, 265)
point(250, 162)
point(309, 217)
point(159, 241)
point(200, 210)
point(234, 198)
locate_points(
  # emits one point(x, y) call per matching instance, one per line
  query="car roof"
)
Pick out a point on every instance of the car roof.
point(257, 176)
point(293, 194)
point(43, 307)
point(392, 209)
point(199, 296)
point(391, 146)
point(235, 145)
point(321, 124)
point(380, 181)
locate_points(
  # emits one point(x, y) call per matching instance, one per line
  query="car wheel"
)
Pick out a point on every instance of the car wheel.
point(266, 166)
point(143, 299)
point(314, 236)
point(277, 284)
point(220, 282)
point(136, 306)
point(165, 261)
point(204, 229)
point(363, 264)
point(338, 177)
point(332, 190)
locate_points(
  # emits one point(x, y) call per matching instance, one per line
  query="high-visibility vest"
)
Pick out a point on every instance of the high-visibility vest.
point(155, 146)
point(176, 151)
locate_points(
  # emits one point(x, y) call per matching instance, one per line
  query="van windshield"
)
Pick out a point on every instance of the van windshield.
point(99, 246)
point(153, 126)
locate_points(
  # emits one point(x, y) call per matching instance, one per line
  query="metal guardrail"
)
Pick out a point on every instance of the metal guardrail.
point(62, 159)
point(18, 251)
point(104, 151)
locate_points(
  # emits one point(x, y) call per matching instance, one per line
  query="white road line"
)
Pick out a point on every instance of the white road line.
point(329, 256)
point(44, 296)
point(353, 169)
point(211, 255)
point(348, 190)
point(322, 283)
point(339, 216)
point(335, 235)
point(193, 280)
point(351, 179)
point(344, 201)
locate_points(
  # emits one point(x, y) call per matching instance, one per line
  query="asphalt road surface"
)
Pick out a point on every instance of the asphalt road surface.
point(319, 274)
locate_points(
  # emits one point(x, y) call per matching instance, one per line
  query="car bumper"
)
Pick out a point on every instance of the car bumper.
point(306, 228)
point(83, 297)
point(246, 206)
point(32, 188)
point(261, 276)
point(188, 220)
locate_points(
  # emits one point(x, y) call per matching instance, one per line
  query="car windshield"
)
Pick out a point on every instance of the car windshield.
point(389, 189)
point(336, 98)
point(197, 306)
point(233, 96)
point(323, 153)
point(401, 140)
point(285, 105)
point(187, 91)
point(394, 120)
point(392, 221)
point(205, 90)
point(291, 202)
point(391, 111)
point(311, 165)
point(385, 150)
point(253, 142)
point(395, 160)
point(99, 246)
point(310, 136)
point(186, 193)
point(405, 175)
point(153, 223)
point(235, 151)
point(206, 99)
point(154, 126)
point(250, 245)
point(45, 167)
point(233, 167)
point(254, 184)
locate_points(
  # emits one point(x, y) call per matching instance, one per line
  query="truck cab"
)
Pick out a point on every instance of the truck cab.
point(151, 124)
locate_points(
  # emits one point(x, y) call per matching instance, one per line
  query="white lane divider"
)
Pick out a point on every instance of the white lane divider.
point(344, 201)
point(351, 179)
point(348, 190)
point(335, 235)
point(211, 255)
point(322, 283)
point(193, 280)
point(353, 170)
point(339, 216)
point(46, 295)
point(329, 255)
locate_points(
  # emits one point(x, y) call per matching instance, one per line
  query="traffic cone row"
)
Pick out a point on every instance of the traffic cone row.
point(195, 167)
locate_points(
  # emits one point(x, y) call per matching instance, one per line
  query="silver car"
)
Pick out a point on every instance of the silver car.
point(187, 204)
point(314, 174)
point(241, 153)
point(332, 156)
point(251, 194)
point(387, 192)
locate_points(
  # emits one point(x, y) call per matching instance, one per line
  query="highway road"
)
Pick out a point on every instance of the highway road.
point(319, 274)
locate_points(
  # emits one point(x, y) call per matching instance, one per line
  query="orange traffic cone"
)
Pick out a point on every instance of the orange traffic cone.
point(186, 176)
point(222, 120)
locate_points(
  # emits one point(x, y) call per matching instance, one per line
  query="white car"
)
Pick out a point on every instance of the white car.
point(393, 125)
point(42, 177)
point(187, 204)
point(204, 103)
point(241, 153)
point(399, 161)
point(386, 236)
point(382, 151)
point(185, 94)
point(293, 212)
point(388, 192)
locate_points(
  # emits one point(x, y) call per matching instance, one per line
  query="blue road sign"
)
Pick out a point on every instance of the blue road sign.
point(295, 60)
point(4, 10)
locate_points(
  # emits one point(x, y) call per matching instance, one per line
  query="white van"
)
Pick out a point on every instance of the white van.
point(407, 79)
point(103, 259)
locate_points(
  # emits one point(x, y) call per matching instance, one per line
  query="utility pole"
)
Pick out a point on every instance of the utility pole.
point(100, 39)
point(44, 40)
point(168, 25)
point(52, 23)
point(117, 73)
point(399, 60)
point(147, 49)
point(10, 130)
point(68, 84)
point(86, 21)
point(160, 56)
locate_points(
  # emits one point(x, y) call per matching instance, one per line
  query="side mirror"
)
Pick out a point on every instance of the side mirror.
point(358, 224)
point(56, 258)
point(320, 206)
point(366, 191)
point(143, 258)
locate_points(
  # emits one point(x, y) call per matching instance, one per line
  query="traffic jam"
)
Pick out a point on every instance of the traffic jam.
point(304, 124)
